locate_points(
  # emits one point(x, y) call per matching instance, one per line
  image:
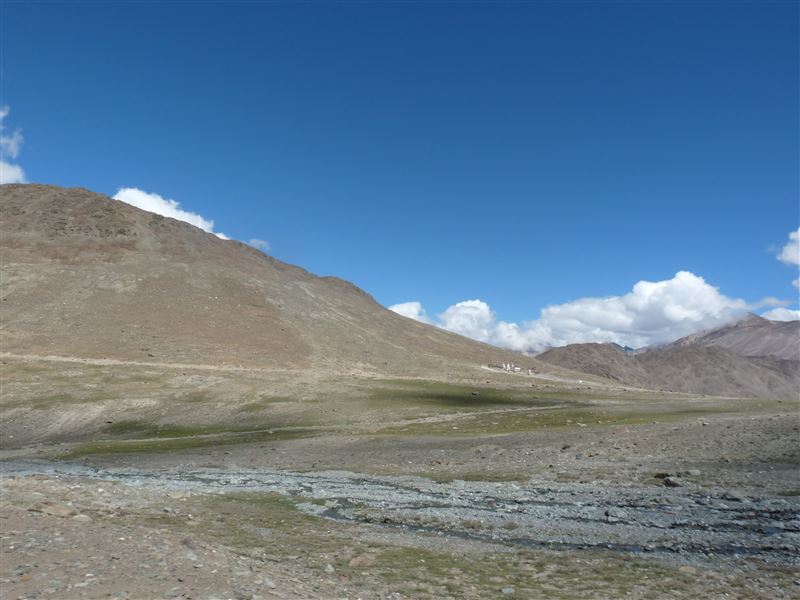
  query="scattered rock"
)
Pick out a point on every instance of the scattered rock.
point(672, 482)
point(507, 590)
point(733, 496)
point(362, 560)
point(329, 569)
point(615, 515)
point(82, 518)
point(57, 510)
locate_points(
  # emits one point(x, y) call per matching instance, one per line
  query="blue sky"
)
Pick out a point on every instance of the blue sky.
point(523, 154)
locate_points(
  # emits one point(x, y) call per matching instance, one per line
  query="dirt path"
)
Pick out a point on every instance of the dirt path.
point(106, 362)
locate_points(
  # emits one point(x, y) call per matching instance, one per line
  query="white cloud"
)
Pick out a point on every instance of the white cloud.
point(11, 173)
point(772, 302)
point(412, 310)
point(165, 207)
point(790, 254)
point(262, 245)
point(782, 314)
point(652, 312)
point(472, 318)
point(9, 148)
point(796, 283)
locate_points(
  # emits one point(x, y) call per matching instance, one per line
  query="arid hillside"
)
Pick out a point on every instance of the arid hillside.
point(751, 336)
point(84, 275)
point(689, 368)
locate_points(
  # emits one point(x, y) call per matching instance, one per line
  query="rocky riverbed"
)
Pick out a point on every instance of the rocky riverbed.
point(80, 531)
point(693, 523)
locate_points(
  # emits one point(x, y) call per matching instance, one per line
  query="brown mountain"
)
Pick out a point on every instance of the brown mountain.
point(605, 360)
point(751, 336)
point(87, 276)
point(712, 370)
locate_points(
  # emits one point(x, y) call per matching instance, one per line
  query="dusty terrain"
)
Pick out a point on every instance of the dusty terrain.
point(258, 484)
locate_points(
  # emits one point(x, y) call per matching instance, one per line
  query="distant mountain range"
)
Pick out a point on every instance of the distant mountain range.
point(751, 357)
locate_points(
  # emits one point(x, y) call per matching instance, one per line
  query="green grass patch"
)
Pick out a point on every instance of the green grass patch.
point(555, 418)
point(175, 444)
point(143, 429)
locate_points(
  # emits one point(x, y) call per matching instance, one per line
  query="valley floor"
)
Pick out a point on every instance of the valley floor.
point(389, 489)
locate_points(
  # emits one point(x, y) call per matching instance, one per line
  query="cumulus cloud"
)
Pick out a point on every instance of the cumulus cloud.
point(11, 173)
point(262, 245)
point(782, 314)
point(790, 254)
point(472, 318)
point(165, 207)
point(9, 149)
point(412, 310)
point(652, 312)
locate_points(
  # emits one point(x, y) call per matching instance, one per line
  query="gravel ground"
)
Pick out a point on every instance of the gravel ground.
point(702, 505)
point(674, 519)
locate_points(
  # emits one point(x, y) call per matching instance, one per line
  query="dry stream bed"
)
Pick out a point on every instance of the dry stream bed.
point(673, 520)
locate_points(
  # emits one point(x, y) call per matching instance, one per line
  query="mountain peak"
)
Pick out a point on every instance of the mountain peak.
point(87, 276)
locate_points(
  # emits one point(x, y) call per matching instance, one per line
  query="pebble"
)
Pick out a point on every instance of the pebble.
point(267, 583)
point(615, 515)
point(362, 560)
point(57, 510)
point(689, 473)
point(733, 496)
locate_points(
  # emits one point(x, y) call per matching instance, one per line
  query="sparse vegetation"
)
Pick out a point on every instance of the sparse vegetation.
point(189, 441)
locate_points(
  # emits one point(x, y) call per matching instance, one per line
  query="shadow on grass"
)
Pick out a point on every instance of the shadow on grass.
point(444, 395)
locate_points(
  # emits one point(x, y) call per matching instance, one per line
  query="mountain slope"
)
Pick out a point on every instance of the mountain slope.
point(605, 360)
point(688, 368)
point(84, 275)
point(720, 372)
point(752, 336)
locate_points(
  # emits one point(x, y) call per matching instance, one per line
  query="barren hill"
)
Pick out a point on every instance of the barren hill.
point(751, 336)
point(605, 360)
point(84, 275)
point(687, 368)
